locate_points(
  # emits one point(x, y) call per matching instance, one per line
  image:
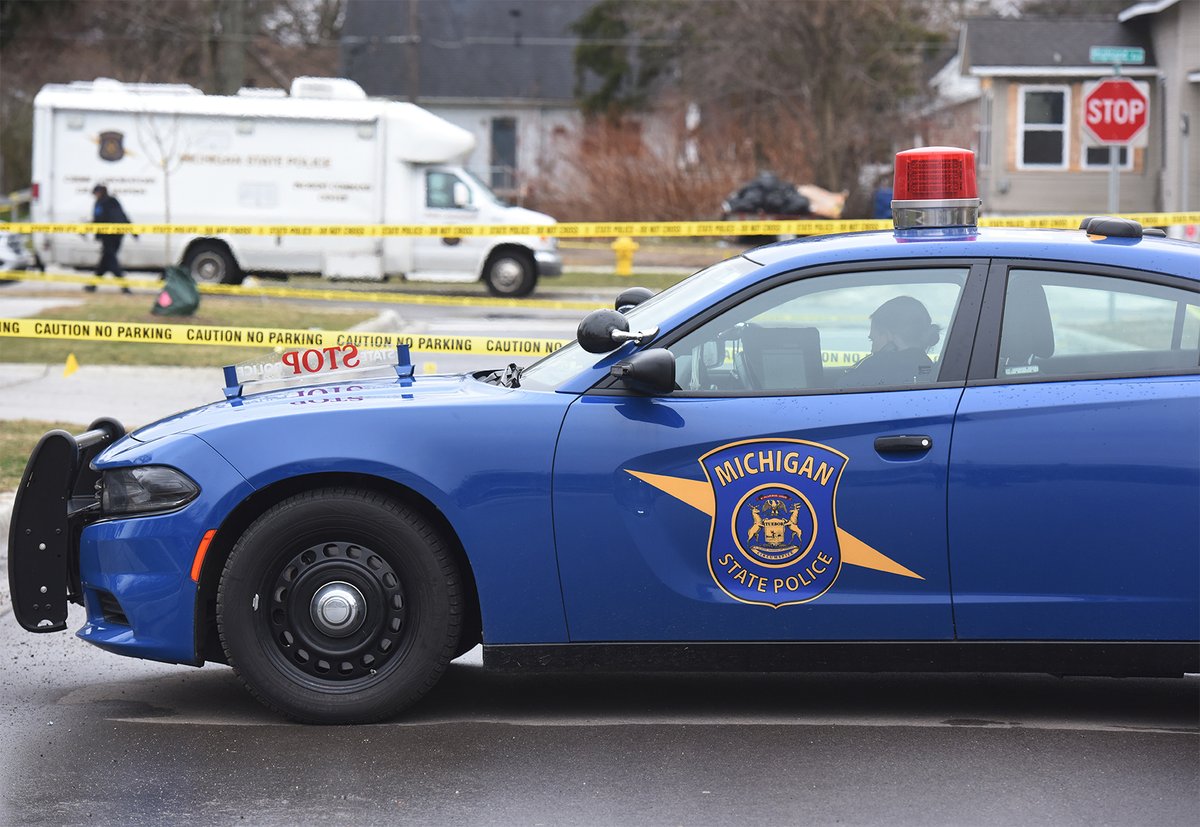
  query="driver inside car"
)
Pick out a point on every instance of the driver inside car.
point(901, 334)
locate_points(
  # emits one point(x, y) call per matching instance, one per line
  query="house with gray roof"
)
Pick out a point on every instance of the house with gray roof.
point(1034, 155)
point(503, 70)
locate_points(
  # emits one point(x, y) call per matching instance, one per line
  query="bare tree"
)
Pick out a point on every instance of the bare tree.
point(160, 41)
point(841, 72)
point(166, 147)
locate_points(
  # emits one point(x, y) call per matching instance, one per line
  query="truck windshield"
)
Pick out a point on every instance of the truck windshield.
point(571, 360)
point(485, 190)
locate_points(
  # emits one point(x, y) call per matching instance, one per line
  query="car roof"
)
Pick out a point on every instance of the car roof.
point(1158, 255)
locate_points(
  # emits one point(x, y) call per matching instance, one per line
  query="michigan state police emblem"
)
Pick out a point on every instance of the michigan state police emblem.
point(774, 538)
point(112, 146)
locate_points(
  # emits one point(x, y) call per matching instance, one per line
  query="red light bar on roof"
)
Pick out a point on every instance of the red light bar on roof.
point(935, 187)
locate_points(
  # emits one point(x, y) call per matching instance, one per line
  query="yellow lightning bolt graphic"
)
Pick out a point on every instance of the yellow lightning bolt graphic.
point(699, 495)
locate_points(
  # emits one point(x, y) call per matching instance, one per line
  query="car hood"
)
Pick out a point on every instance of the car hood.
point(520, 215)
point(422, 391)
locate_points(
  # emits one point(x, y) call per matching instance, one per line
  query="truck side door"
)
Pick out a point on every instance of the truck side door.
point(445, 198)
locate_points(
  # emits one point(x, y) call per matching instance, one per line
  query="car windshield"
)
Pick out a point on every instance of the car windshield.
point(572, 360)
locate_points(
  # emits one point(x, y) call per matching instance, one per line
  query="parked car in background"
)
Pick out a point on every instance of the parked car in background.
point(15, 251)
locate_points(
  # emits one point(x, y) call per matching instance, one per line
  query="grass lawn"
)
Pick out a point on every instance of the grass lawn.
point(605, 281)
point(214, 310)
point(570, 279)
point(17, 440)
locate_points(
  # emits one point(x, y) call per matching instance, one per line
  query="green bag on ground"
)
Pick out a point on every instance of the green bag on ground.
point(179, 296)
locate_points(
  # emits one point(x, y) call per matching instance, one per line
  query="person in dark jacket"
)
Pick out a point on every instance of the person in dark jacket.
point(901, 335)
point(107, 210)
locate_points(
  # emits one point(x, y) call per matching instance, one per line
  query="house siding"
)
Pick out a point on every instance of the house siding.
point(1176, 37)
point(541, 131)
point(1009, 189)
point(1165, 174)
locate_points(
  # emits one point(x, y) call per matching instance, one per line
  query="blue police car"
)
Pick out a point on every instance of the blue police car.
point(936, 448)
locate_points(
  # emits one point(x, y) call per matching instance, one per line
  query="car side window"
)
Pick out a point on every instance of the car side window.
point(1067, 325)
point(439, 190)
point(875, 329)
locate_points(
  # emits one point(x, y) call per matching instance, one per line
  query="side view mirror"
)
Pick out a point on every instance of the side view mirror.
point(631, 298)
point(604, 330)
point(651, 372)
point(462, 195)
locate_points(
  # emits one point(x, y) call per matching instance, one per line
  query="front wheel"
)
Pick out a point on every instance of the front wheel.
point(212, 263)
point(510, 273)
point(339, 606)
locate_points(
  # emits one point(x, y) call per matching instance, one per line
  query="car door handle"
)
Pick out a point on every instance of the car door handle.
point(903, 444)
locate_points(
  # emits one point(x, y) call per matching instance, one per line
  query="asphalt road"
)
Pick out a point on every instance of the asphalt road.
point(94, 738)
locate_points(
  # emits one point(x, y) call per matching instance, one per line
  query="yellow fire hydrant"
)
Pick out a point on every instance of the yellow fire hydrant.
point(624, 248)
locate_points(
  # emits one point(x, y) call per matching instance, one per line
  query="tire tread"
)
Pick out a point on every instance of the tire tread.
point(433, 542)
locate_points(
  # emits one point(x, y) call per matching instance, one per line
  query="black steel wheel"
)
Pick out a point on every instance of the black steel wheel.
point(339, 606)
point(210, 262)
point(510, 273)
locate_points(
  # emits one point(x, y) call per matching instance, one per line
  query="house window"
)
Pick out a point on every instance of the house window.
point(1096, 157)
point(1043, 125)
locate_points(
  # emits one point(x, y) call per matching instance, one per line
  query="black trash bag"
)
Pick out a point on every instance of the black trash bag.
point(179, 296)
point(767, 193)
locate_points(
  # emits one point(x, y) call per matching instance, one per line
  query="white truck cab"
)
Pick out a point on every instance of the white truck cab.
point(323, 154)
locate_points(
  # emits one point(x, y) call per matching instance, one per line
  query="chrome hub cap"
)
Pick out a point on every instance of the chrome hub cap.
point(336, 612)
point(507, 273)
point(337, 609)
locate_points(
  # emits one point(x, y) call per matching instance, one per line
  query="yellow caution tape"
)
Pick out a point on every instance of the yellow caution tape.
point(574, 230)
point(183, 334)
point(279, 338)
point(306, 292)
point(600, 229)
point(1071, 222)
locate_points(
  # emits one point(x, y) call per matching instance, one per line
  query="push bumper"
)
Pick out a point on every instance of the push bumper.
point(56, 499)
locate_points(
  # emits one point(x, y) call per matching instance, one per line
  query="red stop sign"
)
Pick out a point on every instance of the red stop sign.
point(1115, 111)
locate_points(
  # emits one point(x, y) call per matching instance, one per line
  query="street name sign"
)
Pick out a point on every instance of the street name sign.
point(1129, 55)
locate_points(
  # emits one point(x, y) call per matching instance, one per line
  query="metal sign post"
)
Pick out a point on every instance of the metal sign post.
point(1116, 55)
point(1114, 167)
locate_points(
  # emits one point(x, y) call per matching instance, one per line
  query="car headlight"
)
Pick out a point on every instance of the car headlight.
point(145, 489)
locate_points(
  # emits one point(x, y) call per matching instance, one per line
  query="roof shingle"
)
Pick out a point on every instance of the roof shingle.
point(1032, 42)
point(469, 49)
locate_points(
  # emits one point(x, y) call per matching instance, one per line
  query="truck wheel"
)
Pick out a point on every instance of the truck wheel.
point(211, 263)
point(339, 606)
point(510, 273)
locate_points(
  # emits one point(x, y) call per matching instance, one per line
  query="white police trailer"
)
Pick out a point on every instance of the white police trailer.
point(323, 154)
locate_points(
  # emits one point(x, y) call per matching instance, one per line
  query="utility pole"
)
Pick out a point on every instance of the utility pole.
point(231, 46)
point(413, 44)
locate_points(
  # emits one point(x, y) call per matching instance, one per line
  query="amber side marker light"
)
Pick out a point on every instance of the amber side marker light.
point(935, 187)
point(202, 550)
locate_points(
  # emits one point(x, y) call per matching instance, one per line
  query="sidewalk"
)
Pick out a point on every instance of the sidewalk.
point(135, 395)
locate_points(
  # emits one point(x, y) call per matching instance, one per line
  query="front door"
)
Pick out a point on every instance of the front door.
point(793, 487)
point(447, 199)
